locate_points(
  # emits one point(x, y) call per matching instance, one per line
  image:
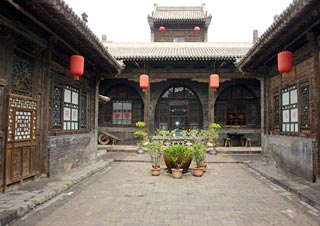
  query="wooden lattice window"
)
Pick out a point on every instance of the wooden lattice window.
point(125, 107)
point(57, 107)
point(276, 111)
point(178, 108)
point(83, 111)
point(237, 106)
point(290, 109)
point(22, 74)
point(122, 112)
point(305, 106)
point(71, 108)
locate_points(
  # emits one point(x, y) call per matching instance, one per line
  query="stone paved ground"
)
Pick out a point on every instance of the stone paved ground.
point(127, 195)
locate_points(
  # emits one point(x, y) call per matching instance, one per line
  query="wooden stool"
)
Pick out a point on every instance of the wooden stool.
point(227, 141)
point(246, 142)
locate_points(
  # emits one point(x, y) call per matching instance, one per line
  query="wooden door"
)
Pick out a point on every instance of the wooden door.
point(21, 142)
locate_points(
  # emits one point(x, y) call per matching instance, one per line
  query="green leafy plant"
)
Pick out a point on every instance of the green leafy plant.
point(140, 133)
point(178, 154)
point(162, 132)
point(155, 150)
point(213, 133)
point(199, 151)
point(192, 134)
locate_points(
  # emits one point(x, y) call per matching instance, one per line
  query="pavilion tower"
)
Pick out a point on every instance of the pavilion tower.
point(179, 24)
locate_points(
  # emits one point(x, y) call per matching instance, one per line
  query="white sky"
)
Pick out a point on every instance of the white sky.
point(126, 20)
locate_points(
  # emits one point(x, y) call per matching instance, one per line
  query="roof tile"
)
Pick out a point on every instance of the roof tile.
point(184, 51)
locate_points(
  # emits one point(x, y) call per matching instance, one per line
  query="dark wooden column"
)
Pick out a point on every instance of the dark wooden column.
point(146, 108)
point(312, 37)
point(211, 99)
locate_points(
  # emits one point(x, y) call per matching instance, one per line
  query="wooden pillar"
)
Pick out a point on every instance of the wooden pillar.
point(312, 37)
point(263, 108)
point(211, 106)
point(146, 108)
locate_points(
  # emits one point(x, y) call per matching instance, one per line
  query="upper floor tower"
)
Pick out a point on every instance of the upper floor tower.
point(179, 24)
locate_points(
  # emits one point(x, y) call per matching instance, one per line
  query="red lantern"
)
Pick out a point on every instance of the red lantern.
point(144, 81)
point(76, 66)
point(214, 81)
point(162, 28)
point(196, 29)
point(285, 62)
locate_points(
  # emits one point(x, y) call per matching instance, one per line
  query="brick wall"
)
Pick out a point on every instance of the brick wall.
point(291, 154)
point(68, 151)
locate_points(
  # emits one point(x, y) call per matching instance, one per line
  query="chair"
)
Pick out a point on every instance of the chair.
point(227, 141)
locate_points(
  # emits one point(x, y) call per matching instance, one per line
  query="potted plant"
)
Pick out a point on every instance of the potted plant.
point(213, 136)
point(199, 151)
point(155, 150)
point(141, 136)
point(179, 155)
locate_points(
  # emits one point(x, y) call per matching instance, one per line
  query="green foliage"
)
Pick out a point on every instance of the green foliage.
point(193, 134)
point(140, 134)
point(199, 152)
point(213, 133)
point(155, 150)
point(140, 124)
point(214, 126)
point(162, 132)
point(178, 154)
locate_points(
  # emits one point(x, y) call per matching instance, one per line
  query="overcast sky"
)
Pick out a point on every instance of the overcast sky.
point(126, 20)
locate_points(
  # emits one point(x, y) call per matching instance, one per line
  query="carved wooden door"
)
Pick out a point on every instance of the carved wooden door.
point(21, 142)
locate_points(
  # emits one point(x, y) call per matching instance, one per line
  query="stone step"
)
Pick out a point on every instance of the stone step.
point(133, 148)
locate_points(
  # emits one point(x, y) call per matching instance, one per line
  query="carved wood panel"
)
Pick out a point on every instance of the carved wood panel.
point(21, 138)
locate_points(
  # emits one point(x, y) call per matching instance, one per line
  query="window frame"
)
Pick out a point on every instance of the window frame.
point(289, 110)
point(121, 93)
point(60, 128)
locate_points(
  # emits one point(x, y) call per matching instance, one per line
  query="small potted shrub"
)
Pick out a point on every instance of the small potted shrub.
point(199, 151)
point(213, 136)
point(141, 136)
point(179, 155)
point(155, 150)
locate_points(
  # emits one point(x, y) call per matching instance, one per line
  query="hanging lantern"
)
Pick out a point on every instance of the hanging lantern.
point(76, 66)
point(162, 28)
point(214, 81)
point(285, 62)
point(196, 29)
point(144, 81)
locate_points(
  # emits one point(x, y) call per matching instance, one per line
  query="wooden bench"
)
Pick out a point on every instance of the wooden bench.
point(227, 141)
point(246, 142)
point(105, 138)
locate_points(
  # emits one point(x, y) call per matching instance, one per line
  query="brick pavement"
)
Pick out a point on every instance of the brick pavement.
point(17, 203)
point(227, 195)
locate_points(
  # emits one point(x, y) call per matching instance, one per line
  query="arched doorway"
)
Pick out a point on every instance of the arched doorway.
point(178, 108)
point(237, 106)
point(125, 107)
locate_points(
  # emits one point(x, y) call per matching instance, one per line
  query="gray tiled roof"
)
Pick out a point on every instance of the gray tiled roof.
point(178, 51)
point(54, 13)
point(179, 13)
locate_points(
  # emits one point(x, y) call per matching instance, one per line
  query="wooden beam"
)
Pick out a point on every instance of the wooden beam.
point(31, 36)
point(36, 21)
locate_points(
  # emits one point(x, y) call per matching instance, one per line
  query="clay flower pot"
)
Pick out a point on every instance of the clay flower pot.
point(176, 173)
point(197, 172)
point(170, 164)
point(204, 166)
point(155, 171)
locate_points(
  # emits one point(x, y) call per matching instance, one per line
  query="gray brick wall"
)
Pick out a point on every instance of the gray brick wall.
point(291, 154)
point(68, 151)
